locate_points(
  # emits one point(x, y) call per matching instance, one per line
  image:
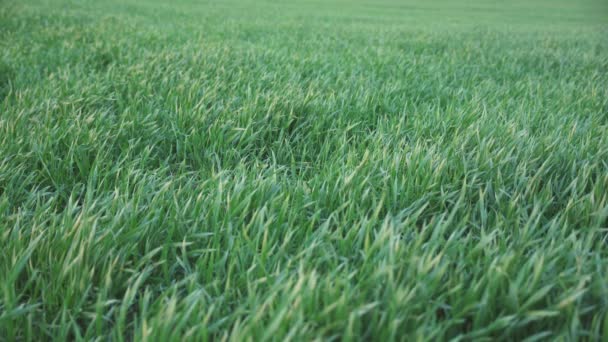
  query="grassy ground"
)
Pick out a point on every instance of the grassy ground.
point(344, 169)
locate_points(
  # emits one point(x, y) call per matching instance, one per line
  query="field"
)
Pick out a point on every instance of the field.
point(296, 170)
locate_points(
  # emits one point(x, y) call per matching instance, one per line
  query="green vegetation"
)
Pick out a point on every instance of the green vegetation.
point(255, 170)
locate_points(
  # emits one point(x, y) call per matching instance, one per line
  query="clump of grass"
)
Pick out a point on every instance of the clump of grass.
point(260, 171)
point(6, 77)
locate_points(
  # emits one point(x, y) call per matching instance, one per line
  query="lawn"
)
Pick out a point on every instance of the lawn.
point(296, 170)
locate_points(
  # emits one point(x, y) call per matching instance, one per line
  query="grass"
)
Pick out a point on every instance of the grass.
point(274, 170)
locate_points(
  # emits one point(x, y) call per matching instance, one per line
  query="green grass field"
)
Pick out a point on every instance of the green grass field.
point(296, 170)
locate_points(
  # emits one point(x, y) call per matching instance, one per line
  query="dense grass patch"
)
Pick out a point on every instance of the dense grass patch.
point(278, 170)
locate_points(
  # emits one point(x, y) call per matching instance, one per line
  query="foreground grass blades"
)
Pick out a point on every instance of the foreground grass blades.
point(295, 170)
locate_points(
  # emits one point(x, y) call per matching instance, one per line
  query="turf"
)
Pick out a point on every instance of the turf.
point(298, 170)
